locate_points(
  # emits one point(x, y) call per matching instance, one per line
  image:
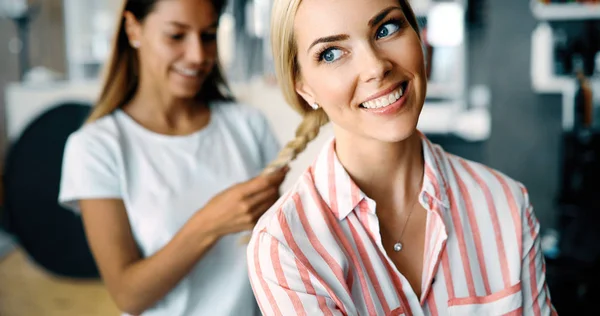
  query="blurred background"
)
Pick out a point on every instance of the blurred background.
point(512, 83)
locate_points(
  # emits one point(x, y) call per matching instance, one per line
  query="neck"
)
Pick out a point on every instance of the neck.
point(156, 107)
point(389, 173)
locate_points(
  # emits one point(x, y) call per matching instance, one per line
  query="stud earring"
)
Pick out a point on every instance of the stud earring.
point(135, 44)
point(314, 106)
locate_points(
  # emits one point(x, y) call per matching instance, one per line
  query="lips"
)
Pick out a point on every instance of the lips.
point(386, 97)
point(187, 72)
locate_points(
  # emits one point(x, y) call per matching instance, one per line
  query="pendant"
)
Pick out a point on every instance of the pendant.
point(397, 246)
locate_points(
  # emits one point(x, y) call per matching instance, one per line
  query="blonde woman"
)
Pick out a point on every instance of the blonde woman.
point(166, 171)
point(384, 222)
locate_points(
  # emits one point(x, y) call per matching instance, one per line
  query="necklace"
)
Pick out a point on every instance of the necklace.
point(398, 245)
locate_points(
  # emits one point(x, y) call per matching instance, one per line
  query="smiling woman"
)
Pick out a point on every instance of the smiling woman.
point(384, 222)
point(166, 172)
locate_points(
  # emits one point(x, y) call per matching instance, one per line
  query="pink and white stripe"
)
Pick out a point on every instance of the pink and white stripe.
point(318, 250)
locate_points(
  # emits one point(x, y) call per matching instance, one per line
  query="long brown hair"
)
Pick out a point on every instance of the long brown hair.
point(121, 71)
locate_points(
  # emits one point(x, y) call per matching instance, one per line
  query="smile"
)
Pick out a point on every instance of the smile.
point(192, 73)
point(387, 99)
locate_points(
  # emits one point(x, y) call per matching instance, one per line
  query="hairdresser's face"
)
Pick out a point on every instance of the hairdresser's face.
point(362, 62)
point(178, 46)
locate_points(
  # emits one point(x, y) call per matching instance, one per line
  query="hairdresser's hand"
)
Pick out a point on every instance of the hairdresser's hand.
point(239, 207)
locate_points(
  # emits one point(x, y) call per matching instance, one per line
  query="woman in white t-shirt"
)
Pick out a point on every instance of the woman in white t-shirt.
point(167, 171)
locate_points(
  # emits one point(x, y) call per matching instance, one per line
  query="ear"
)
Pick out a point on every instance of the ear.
point(305, 91)
point(133, 29)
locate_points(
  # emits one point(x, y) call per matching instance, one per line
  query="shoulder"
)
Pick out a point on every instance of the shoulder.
point(249, 122)
point(238, 112)
point(291, 214)
point(100, 136)
point(483, 185)
point(90, 164)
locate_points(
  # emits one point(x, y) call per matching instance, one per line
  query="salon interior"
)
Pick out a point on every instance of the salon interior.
point(513, 84)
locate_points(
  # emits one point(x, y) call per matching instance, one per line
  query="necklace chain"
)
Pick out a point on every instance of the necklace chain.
point(398, 245)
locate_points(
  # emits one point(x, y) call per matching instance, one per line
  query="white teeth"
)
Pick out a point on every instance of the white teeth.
point(187, 72)
point(384, 100)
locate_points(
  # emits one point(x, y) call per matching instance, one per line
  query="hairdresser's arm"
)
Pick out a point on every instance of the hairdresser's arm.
point(137, 283)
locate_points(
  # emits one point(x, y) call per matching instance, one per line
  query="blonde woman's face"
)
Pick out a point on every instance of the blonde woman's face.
point(363, 63)
point(178, 47)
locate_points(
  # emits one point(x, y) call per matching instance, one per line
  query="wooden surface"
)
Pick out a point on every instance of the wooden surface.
point(26, 290)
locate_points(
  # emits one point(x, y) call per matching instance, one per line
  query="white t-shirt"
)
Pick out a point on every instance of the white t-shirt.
point(163, 180)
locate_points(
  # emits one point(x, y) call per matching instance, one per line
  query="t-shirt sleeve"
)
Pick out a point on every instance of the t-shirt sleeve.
point(89, 171)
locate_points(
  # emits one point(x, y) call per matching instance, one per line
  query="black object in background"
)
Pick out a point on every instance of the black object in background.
point(574, 277)
point(476, 14)
point(575, 46)
point(52, 235)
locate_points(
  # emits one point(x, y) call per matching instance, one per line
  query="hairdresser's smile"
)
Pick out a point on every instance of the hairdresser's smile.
point(189, 73)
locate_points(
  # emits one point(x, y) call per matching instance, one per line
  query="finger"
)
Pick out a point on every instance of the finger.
point(275, 168)
point(267, 203)
point(277, 177)
point(261, 197)
point(262, 182)
point(260, 209)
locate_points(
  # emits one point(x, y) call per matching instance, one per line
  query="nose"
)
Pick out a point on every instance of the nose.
point(196, 51)
point(376, 66)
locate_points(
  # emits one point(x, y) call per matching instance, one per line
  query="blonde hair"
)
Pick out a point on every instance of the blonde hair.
point(287, 70)
point(121, 73)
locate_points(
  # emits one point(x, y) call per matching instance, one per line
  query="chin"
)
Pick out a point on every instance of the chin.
point(396, 136)
point(397, 130)
point(184, 92)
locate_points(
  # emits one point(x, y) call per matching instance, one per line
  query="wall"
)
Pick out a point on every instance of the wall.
point(46, 49)
point(525, 141)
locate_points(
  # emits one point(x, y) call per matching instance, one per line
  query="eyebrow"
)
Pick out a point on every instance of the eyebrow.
point(372, 22)
point(381, 15)
point(328, 39)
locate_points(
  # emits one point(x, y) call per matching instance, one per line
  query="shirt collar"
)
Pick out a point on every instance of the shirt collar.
point(435, 177)
point(342, 195)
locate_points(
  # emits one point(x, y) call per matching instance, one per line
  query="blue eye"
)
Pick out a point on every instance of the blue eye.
point(387, 29)
point(331, 54)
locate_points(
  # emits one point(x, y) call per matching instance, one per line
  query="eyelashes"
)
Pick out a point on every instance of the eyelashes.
point(205, 37)
point(209, 37)
point(398, 23)
point(328, 54)
point(320, 56)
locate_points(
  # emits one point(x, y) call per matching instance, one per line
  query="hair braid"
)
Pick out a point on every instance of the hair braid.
point(305, 133)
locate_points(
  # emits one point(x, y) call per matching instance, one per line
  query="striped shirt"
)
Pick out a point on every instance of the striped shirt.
point(318, 250)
